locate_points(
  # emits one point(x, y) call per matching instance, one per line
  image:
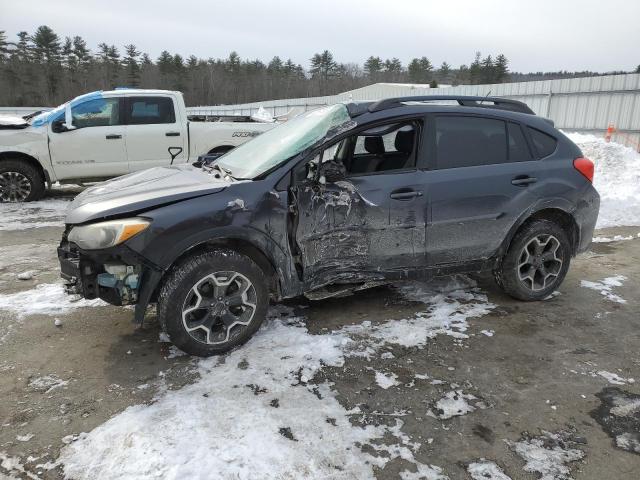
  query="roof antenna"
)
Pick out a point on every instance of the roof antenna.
point(485, 97)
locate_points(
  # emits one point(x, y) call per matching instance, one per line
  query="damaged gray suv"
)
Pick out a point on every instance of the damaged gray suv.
point(338, 199)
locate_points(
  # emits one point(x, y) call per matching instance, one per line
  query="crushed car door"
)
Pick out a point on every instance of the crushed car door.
point(363, 227)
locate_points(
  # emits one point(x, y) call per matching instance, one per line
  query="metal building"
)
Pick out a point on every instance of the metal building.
point(586, 105)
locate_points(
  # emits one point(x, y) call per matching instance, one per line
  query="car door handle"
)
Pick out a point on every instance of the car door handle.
point(113, 136)
point(404, 194)
point(172, 134)
point(523, 180)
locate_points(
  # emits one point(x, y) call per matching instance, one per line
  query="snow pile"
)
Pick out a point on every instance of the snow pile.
point(454, 404)
point(617, 179)
point(22, 216)
point(486, 470)
point(605, 287)
point(44, 299)
point(450, 302)
point(548, 455)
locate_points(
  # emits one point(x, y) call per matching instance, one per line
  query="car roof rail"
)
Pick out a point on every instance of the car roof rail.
point(465, 101)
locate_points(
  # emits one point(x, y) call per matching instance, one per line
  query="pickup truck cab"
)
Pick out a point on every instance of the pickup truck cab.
point(102, 135)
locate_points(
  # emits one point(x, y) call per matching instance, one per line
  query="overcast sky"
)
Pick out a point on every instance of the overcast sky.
point(534, 35)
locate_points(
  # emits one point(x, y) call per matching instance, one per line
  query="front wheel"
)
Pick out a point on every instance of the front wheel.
point(536, 262)
point(213, 302)
point(20, 182)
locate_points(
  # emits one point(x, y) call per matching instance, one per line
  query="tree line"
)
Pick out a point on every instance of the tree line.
point(44, 69)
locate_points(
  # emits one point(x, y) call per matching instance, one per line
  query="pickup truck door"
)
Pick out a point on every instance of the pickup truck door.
point(95, 148)
point(155, 132)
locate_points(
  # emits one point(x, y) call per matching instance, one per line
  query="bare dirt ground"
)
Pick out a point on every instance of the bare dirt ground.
point(556, 366)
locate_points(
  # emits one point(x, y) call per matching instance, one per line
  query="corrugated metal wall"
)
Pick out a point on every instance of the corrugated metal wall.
point(587, 104)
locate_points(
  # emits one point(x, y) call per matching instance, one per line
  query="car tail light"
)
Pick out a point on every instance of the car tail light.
point(585, 167)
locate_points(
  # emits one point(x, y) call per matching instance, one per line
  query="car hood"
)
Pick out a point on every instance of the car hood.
point(141, 191)
point(12, 122)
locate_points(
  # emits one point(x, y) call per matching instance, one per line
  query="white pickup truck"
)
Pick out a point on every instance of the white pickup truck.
point(106, 134)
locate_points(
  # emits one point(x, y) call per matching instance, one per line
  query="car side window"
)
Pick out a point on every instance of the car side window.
point(151, 110)
point(382, 149)
point(518, 147)
point(98, 112)
point(469, 141)
point(544, 144)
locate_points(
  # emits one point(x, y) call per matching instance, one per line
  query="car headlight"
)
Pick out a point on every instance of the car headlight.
point(106, 234)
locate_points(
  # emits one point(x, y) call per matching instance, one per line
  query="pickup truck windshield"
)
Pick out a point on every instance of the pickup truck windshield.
point(283, 142)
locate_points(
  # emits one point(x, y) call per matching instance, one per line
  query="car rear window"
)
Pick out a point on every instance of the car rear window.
point(544, 144)
point(151, 110)
point(518, 147)
point(469, 141)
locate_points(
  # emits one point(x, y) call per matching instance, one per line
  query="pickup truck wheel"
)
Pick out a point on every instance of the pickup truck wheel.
point(20, 182)
point(536, 262)
point(213, 302)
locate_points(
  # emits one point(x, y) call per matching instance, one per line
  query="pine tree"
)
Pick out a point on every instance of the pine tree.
point(47, 52)
point(475, 70)
point(501, 69)
point(131, 65)
point(420, 70)
point(373, 67)
point(487, 69)
point(4, 46)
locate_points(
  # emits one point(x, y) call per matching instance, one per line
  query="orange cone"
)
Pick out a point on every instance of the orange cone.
point(610, 130)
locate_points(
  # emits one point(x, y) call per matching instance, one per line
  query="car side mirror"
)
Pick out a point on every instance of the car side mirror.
point(58, 127)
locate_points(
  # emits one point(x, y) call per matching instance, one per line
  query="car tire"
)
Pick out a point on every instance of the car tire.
point(213, 302)
point(20, 182)
point(536, 262)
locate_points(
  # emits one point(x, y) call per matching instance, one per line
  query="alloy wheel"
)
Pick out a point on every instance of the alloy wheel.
point(540, 262)
point(218, 307)
point(14, 187)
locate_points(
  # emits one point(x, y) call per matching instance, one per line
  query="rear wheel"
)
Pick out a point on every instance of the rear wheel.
point(213, 302)
point(536, 262)
point(20, 182)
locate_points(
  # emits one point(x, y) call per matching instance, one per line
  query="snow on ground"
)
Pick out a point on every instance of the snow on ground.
point(251, 411)
point(47, 383)
point(614, 378)
point(605, 287)
point(386, 380)
point(254, 410)
point(548, 455)
point(23, 216)
point(450, 302)
point(617, 179)
point(44, 299)
point(615, 238)
point(454, 403)
point(486, 470)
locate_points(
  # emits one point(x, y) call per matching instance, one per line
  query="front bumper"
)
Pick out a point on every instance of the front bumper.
point(85, 273)
point(80, 276)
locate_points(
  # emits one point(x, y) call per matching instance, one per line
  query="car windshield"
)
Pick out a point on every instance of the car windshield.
point(283, 142)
